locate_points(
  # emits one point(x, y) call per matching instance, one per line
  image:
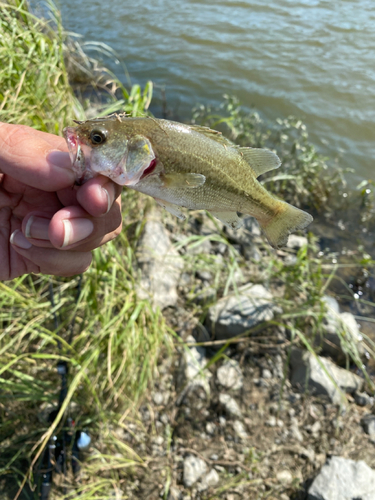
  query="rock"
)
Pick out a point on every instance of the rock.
point(210, 428)
point(295, 432)
point(307, 371)
point(284, 476)
point(343, 479)
point(266, 373)
point(204, 275)
point(341, 332)
point(229, 375)
point(192, 373)
point(230, 405)
point(158, 398)
point(193, 468)
point(161, 265)
point(208, 481)
point(296, 242)
point(240, 430)
point(363, 399)
point(273, 422)
point(235, 314)
point(368, 424)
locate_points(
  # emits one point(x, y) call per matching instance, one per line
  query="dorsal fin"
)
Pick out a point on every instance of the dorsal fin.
point(260, 160)
point(215, 135)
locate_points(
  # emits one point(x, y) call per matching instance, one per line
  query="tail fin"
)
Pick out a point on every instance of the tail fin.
point(288, 220)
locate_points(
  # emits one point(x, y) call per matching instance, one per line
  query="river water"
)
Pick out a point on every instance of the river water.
point(311, 58)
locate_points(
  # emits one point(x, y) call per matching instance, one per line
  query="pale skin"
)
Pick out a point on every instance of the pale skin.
point(47, 224)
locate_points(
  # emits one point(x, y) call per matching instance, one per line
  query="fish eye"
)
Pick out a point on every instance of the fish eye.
point(98, 137)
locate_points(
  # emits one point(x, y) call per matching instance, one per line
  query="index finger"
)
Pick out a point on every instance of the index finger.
point(35, 158)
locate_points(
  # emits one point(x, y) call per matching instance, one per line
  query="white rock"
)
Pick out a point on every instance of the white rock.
point(239, 429)
point(158, 398)
point(192, 373)
point(230, 405)
point(229, 375)
point(296, 242)
point(343, 479)
point(210, 428)
point(194, 468)
point(208, 481)
point(284, 476)
point(266, 373)
point(160, 264)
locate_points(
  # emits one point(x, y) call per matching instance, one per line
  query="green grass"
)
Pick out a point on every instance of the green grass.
point(113, 356)
point(118, 339)
point(38, 63)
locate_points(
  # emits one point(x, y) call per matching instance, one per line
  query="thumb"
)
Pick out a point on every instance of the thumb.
point(35, 158)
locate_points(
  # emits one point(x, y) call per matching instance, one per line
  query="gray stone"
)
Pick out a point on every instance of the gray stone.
point(363, 399)
point(296, 242)
point(204, 275)
point(229, 375)
point(209, 480)
point(160, 264)
point(194, 467)
point(307, 372)
point(368, 424)
point(192, 373)
point(343, 479)
point(230, 405)
point(235, 314)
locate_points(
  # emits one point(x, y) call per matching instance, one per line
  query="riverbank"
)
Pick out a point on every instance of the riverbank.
point(176, 405)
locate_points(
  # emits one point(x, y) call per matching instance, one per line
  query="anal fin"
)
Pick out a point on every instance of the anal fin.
point(229, 219)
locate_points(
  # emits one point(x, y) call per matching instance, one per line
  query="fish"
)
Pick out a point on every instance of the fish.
point(184, 167)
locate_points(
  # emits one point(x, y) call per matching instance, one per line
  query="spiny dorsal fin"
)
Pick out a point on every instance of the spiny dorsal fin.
point(260, 160)
point(215, 135)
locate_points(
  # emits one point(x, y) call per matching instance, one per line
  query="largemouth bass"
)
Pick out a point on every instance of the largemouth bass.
point(184, 166)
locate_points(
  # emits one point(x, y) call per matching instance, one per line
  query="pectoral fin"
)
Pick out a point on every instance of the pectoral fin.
point(229, 219)
point(183, 180)
point(260, 160)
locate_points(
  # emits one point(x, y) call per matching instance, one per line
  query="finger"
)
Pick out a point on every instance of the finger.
point(98, 195)
point(51, 260)
point(72, 228)
point(27, 156)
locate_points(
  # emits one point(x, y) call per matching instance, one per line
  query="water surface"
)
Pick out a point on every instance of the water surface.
point(311, 58)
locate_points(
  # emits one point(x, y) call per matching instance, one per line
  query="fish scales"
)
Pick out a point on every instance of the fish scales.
point(184, 166)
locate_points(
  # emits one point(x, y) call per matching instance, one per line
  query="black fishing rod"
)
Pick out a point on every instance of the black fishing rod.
point(55, 455)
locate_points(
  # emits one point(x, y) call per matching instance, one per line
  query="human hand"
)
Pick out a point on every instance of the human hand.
point(47, 224)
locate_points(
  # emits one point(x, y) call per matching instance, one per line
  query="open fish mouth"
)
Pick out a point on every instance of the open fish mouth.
point(72, 142)
point(80, 164)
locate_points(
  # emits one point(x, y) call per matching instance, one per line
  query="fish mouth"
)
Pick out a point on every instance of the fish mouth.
point(71, 138)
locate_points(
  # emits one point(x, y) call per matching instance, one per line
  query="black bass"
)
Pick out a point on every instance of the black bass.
point(184, 166)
